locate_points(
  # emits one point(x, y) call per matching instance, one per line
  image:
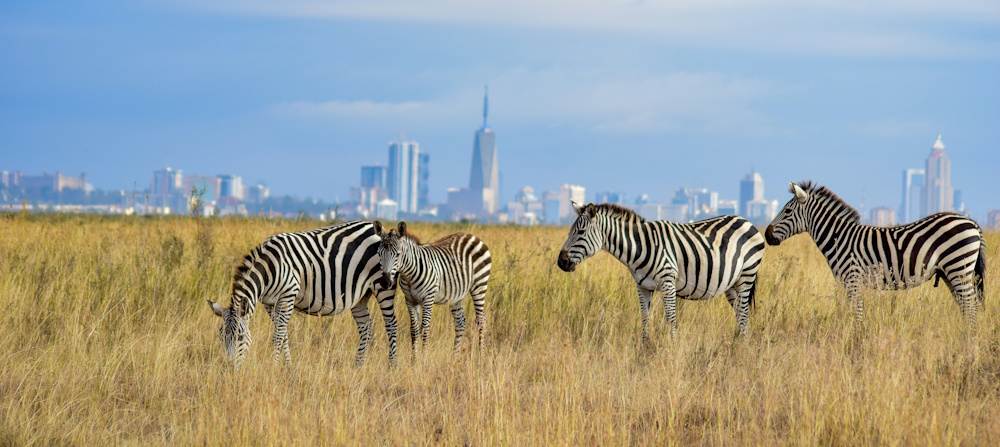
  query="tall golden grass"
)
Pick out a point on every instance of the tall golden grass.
point(105, 338)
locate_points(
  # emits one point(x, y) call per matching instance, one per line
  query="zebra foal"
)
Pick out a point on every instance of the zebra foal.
point(441, 272)
point(694, 261)
point(945, 246)
point(320, 272)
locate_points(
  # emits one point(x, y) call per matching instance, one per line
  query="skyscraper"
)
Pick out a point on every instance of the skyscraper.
point(167, 184)
point(751, 189)
point(912, 207)
point(403, 176)
point(231, 186)
point(423, 180)
point(938, 194)
point(484, 182)
point(373, 177)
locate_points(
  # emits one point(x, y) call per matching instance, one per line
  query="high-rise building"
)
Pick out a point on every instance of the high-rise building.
point(403, 177)
point(883, 217)
point(550, 207)
point(938, 194)
point(568, 195)
point(423, 180)
point(231, 186)
point(993, 219)
point(373, 177)
point(751, 189)
point(911, 207)
point(167, 187)
point(484, 180)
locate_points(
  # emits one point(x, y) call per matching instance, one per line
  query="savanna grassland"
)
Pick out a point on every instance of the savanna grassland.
point(105, 338)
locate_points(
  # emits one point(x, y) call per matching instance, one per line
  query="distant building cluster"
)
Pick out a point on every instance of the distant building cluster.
point(171, 192)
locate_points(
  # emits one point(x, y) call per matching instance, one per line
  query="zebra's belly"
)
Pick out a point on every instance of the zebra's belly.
point(324, 304)
point(448, 292)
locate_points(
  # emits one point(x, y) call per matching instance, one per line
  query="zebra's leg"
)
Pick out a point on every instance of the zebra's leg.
point(280, 314)
point(459, 315)
point(414, 311)
point(364, 322)
point(733, 296)
point(387, 304)
point(645, 296)
point(739, 297)
point(426, 308)
point(670, 305)
point(479, 304)
point(962, 285)
point(853, 286)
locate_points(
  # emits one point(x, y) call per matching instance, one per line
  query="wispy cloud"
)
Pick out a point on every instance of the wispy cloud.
point(850, 27)
point(681, 102)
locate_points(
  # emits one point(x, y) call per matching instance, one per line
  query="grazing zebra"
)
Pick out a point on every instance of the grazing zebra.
point(442, 272)
point(695, 261)
point(942, 245)
point(320, 272)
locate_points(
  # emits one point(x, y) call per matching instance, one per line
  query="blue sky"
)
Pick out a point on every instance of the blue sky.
point(641, 97)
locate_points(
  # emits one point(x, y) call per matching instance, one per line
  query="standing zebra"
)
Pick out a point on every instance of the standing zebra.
point(942, 245)
point(320, 272)
point(442, 272)
point(695, 261)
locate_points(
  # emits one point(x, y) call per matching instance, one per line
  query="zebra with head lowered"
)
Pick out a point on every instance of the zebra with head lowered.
point(942, 245)
point(442, 272)
point(694, 261)
point(320, 272)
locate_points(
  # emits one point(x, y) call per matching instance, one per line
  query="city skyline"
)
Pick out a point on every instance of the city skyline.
point(609, 98)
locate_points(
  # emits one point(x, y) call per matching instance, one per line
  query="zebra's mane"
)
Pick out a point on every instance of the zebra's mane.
point(239, 279)
point(839, 204)
point(413, 237)
point(618, 211)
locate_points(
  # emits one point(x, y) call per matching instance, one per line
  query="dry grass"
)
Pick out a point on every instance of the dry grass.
point(106, 339)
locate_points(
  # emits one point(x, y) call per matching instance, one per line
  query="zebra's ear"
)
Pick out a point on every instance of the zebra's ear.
point(591, 210)
point(800, 194)
point(401, 228)
point(378, 227)
point(216, 307)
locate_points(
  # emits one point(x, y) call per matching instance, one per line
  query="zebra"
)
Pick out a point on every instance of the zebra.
point(319, 272)
point(694, 261)
point(945, 246)
point(441, 272)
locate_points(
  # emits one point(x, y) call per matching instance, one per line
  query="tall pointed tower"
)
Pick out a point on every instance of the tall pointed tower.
point(938, 194)
point(484, 180)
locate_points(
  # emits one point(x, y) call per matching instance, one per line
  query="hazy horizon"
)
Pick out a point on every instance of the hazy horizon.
point(634, 97)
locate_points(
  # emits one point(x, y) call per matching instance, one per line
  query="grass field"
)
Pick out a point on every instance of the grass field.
point(105, 338)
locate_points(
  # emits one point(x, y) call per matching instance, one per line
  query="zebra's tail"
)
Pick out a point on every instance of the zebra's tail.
point(981, 271)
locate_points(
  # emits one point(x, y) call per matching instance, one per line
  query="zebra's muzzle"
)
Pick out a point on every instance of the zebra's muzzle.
point(564, 263)
point(769, 236)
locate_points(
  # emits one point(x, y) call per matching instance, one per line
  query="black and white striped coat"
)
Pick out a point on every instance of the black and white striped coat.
point(441, 272)
point(943, 246)
point(320, 272)
point(693, 261)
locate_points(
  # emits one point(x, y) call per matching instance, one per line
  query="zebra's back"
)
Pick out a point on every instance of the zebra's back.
point(457, 263)
point(333, 267)
point(908, 255)
point(711, 255)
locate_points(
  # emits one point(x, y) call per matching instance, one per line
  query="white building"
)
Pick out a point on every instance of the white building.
point(568, 195)
point(404, 175)
point(387, 209)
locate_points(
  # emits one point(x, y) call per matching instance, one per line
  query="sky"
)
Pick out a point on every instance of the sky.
point(632, 96)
